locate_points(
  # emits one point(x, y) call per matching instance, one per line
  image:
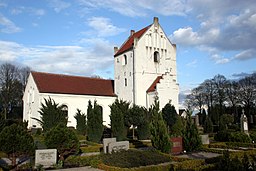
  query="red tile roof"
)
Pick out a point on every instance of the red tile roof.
point(153, 85)
point(129, 43)
point(64, 84)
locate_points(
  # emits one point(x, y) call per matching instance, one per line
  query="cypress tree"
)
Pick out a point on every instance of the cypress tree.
point(191, 138)
point(159, 135)
point(94, 122)
point(80, 122)
point(119, 109)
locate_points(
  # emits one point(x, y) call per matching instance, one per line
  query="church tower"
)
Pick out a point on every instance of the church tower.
point(145, 67)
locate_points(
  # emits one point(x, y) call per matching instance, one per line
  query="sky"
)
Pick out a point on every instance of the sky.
point(78, 37)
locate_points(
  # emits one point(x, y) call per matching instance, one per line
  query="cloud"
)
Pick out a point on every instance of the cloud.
point(225, 26)
point(103, 27)
point(219, 59)
point(135, 8)
point(59, 5)
point(7, 25)
point(246, 54)
point(192, 64)
point(75, 60)
point(240, 75)
point(30, 10)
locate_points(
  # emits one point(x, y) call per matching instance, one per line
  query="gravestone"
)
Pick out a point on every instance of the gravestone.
point(117, 146)
point(205, 139)
point(244, 123)
point(106, 142)
point(46, 157)
point(177, 145)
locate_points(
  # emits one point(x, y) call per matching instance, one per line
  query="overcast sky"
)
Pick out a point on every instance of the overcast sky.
point(77, 37)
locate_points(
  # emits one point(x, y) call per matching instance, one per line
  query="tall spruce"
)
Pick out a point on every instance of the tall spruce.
point(159, 134)
point(119, 109)
point(80, 122)
point(191, 138)
point(94, 122)
point(208, 125)
point(170, 116)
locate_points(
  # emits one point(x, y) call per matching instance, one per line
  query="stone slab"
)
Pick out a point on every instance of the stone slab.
point(117, 146)
point(205, 139)
point(106, 142)
point(46, 157)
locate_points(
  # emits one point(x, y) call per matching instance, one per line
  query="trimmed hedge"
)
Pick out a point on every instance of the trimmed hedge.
point(188, 165)
point(78, 161)
point(160, 167)
point(134, 158)
point(90, 149)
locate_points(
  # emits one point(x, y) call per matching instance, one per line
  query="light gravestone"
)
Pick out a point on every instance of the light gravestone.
point(46, 157)
point(106, 142)
point(205, 139)
point(117, 146)
point(244, 123)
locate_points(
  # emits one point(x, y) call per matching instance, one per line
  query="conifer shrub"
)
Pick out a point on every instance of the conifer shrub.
point(63, 139)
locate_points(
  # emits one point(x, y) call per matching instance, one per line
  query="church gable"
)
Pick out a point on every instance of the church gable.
point(64, 84)
point(129, 43)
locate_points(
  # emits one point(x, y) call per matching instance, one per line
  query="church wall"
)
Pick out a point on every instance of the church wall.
point(75, 102)
point(124, 76)
point(31, 102)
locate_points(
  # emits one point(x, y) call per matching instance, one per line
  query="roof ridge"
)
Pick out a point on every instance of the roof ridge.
point(66, 75)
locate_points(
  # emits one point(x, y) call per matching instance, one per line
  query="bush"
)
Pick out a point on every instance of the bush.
point(134, 158)
point(222, 136)
point(253, 136)
point(239, 137)
point(63, 139)
point(187, 165)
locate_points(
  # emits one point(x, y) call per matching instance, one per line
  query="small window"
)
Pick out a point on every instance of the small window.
point(125, 82)
point(156, 56)
point(117, 60)
point(124, 62)
point(65, 110)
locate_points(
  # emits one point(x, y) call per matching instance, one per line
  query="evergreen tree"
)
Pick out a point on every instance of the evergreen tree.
point(144, 128)
point(169, 115)
point(135, 116)
point(191, 138)
point(177, 128)
point(62, 139)
point(80, 122)
point(119, 109)
point(203, 117)
point(51, 115)
point(15, 141)
point(159, 134)
point(208, 125)
point(94, 122)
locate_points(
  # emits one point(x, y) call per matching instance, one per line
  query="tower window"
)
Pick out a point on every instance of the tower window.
point(125, 82)
point(156, 56)
point(124, 62)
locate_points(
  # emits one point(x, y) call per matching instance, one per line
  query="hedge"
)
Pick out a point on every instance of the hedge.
point(159, 167)
point(91, 149)
point(187, 165)
point(77, 161)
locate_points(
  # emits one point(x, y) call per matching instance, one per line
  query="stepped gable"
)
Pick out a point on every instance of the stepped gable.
point(152, 88)
point(129, 43)
point(65, 84)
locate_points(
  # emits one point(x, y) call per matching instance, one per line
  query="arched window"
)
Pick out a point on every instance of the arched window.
point(65, 110)
point(156, 56)
point(124, 62)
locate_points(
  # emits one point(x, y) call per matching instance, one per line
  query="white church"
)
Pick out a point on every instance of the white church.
point(145, 67)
